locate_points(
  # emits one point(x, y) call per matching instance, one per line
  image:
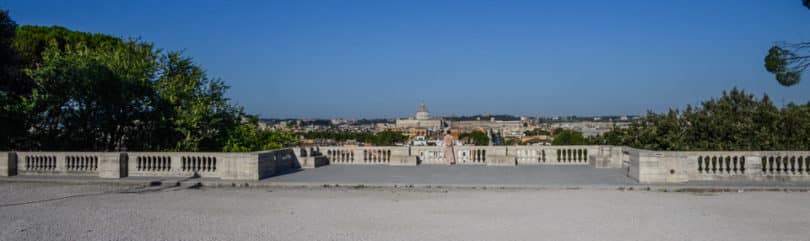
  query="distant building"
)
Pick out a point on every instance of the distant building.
point(422, 120)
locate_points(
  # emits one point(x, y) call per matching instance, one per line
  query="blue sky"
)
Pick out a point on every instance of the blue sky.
point(369, 59)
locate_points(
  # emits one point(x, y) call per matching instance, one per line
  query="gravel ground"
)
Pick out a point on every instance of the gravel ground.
point(30, 211)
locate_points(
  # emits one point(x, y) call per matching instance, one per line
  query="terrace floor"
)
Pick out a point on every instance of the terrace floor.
point(573, 176)
point(553, 177)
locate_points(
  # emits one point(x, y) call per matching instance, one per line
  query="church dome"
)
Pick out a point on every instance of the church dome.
point(422, 112)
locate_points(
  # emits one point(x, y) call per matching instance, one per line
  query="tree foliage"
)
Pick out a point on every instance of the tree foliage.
point(734, 122)
point(383, 138)
point(248, 137)
point(787, 61)
point(90, 99)
point(70, 90)
point(568, 137)
point(478, 138)
point(12, 123)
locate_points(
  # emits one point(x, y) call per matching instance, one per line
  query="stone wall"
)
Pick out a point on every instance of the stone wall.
point(229, 166)
point(678, 167)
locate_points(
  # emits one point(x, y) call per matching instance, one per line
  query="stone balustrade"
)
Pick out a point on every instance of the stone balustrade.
point(681, 166)
point(598, 156)
point(642, 165)
point(234, 166)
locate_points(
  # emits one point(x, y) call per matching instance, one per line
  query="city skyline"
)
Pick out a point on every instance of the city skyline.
point(365, 59)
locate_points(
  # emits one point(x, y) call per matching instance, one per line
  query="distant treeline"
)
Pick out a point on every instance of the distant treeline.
point(383, 138)
point(325, 122)
point(483, 117)
point(734, 122)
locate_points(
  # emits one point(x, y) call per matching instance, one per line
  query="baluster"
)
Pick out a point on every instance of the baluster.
point(728, 164)
point(720, 164)
point(735, 164)
point(793, 164)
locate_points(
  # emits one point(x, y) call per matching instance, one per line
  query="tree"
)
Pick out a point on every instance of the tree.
point(568, 137)
point(90, 99)
point(87, 91)
point(734, 122)
point(388, 138)
point(12, 120)
point(787, 61)
point(248, 137)
point(478, 138)
point(194, 112)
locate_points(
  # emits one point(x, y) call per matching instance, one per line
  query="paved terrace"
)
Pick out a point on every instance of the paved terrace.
point(460, 175)
point(554, 177)
point(39, 211)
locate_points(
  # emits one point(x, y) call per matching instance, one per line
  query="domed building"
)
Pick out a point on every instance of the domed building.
point(421, 121)
point(422, 113)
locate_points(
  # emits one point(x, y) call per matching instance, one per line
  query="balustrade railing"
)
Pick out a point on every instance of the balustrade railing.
point(643, 165)
point(59, 163)
point(785, 164)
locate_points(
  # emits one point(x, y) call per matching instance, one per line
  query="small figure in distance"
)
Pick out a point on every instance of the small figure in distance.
point(449, 154)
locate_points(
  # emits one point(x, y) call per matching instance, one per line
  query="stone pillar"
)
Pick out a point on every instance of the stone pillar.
point(246, 166)
point(8, 164)
point(606, 156)
point(113, 165)
point(753, 165)
point(499, 156)
point(401, 157)
point(662, 167)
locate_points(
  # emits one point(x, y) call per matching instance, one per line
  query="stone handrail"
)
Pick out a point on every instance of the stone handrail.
point(598, 156)
point(642, 165)
point(682, 166)
point(228, 166)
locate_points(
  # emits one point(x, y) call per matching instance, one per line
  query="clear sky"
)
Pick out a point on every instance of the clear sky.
point(369, 59)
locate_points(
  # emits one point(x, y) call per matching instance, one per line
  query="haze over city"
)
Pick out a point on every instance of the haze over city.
point(371, 59)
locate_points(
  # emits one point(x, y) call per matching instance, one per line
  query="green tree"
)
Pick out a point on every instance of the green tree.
point(12, 118)
point(735, 121)
point(787, 61)
point(195, 114)
point(478, 138)
point(388, 138)
point(248, 137)
point(86, 91)
point(568, 137)
point(90, 99)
